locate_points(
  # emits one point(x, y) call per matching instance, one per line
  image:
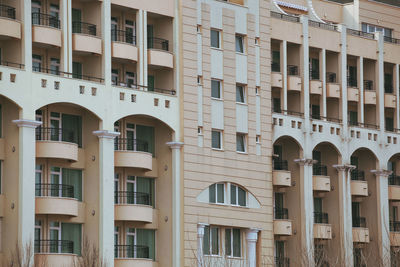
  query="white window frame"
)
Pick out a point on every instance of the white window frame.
point(115, 76)
point(127, 233)
point(242, 38)
point(59, 180)
point(220, 89)
point(210, 240)
point(117, 238)
point(216, 193)
point(237, 195)
point(220, 139)
point(219, 38)
point(128, 181)
point(59, 125)
point(241, 243)
point(58, 228)
point(133, 27)
point(129, 129)
point(130, 77)
point(40, 171)
point(244, 142)
point(239, 85)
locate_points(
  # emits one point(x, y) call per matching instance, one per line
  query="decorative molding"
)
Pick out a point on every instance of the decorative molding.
point(27, 123)
point(252, 235)
point(344, 167)
point(175, 144)
point(382, 172)
point(306, 162)
point(200, 229)
point(106, 134)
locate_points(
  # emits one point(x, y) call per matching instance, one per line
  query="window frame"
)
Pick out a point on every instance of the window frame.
point(219, 89)
point(216, 195)
point(220, 139)
point(231, 255)
point(219, 38)
point(244, 91)
point(210, 241)
point(240, 40)
point(244, 136)
point(236, 189)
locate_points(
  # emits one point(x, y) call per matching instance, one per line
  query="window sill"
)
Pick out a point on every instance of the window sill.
point(217, 149)
point(217, 99)
point(242, 103)
point(216, 48)
point(241, 53)
point(242, 152)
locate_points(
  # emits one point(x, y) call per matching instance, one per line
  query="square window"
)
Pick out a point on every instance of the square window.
point(216, 89)
point(215, 37)
point(239, 43)
point(216, 141)
point(240, 93)
point(240, 142)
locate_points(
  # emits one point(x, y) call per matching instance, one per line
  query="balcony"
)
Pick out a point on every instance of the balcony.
point(281, 176)
point(360, 231)
point(282, 225)
point(394, 233)
point(390, 101)
point(294, 80)
point(321, 180)
point(55, 252)
point(9, 27)
point(333, 90)
point(132, 255)
point(394, 187)
point(133, 206)
point(315, 87)
point(276, 79)
point(353, 94)
point(56, 143)
point(322, 230)
point(282, 262)
point(158, 53)
point(369, 93)
point(56, 199)
point(46, 30)
point(84, 39)
point(132, 153)
point(359, 187)
point(124, 45)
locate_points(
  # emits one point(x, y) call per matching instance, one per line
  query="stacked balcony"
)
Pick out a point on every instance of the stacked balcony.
point(359, 186)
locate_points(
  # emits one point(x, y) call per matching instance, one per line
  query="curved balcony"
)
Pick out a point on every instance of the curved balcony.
point(56, 199)
point(394, 187)
point(359, 187)
point(315, 87)
point(133, 206)
point(390, 101)
point(322, 231)
point(281, 176)
point(9, 27)
point(394, 233)
point(55, 252)
point(124, 45)
point(360, 235)
point(276, 79)
point(46, 30)
point(369, 97)
point(293, 79)
point(132, 255)
point(353, 94)
point(84, 39)
point(56, 143)
point(282, 224)
point(321, 183)
point(333, 90)
point(158, 53)
point(132, 153)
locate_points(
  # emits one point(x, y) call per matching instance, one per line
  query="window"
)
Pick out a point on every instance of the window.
point(238, 196)
point(239, 41)
point(38, 180)
point(114, 76)
point(36, 63)
point(76, 70)
point(276, 105)
point(388, 83)
point(36, 8)
point(353, 117)
point(114, 29)
point(314, 68)
point(240, 142)
point(216, 89)
point(215, 37)
point(211, 241)
point(372, 28)
point(389, 124)
point(55, 66)
point(233, 242)
point(216, 139)
point(217, 193)
point(130, 32)
point(54, 12)
point(150, 83)
point(315, 111)
point(38, 234)
point(130, 79)
point(276, 61)
point(240, 93)
point(352, 76)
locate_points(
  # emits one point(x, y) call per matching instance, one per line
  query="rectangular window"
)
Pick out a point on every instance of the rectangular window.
point(315, 111)
point(36, 63)
point(216, 139)
point(145, 139)
point(71, 129)
point(55, 66)
point(38, 235)
point(240, 142)
point(114, 76)
point(238, 196)
point(211, 241)
point(233, 242)
point(130, 79)
point(389, 124)
point(352, 76)
point(150, 83)
point(240, 93)
point(239, 41)
point(76, 70)
point(388, 83)
point(216, 193)
point(38, 180)
point(314, 68)
point(72, 232)
point(130, 32)
point(114, 29)
point(276, 61)
point(54, 12)
point(72, 179)
point(353, 117)
point(146, 238)
point(215, 37)
point(276, 105)
point(216, 89)
point(372, 28)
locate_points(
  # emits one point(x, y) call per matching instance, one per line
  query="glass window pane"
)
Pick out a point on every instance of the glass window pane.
point(233, 194)
point(239, 44)
point(216, 139)
point(206, 241)
point(241, 197)
point(220, 193)
point(211, 193)
point(215, 89)
point(236, 243)
point(228, 242)
point(215, 38)
point(240, 143)
point(239, 93)
point(214, 241)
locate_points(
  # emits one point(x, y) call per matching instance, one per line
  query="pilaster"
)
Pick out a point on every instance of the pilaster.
point(200, 236)
point(251, 237)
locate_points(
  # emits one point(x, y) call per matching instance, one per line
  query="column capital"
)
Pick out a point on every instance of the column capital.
point(27, 123)
point(381, 172)
point(200, 229)
point(252, 235)
point(344, 167)
point(175, 144)
point(304, 161)
point(106, 134)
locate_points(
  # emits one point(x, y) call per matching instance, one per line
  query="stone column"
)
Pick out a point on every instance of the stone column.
point(307, 208)
point(382, 190)
point(176, 202)
point(345, 215)
point(251, 237)
point(200, 236)
point(106, 195)
point(26, 182)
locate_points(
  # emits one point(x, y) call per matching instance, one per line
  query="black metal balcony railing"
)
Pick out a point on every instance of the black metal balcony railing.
point(357, 175)
point(331, 77)
point(157, 43)
point(83, 27)
point(56, 134)
point(131, 251)
point(322, 25)
point(394, 226)
point(292, 70)
point(368, 85)
point(394, 179)
point(361, 34)
point(392, 40)
point(359, 222)
point(351, 81)
point(388, 88)
point(280, 164)
point(12, 64)
point(126, 197)
point(275, 67)
point(123, 144)
point(321, 217)
point(45, 20)
point(54, 190)
point(285, 17)
point(7, 11)
point(282, 262)
point(67, 74)
point(123, 36)
point(281, 213)
point(319, 169)
point(54, 246)
point(314, 74)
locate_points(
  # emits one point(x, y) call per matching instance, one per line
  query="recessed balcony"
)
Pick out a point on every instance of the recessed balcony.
point(133, 206)
point(55, 252)
point(282, 225)
point(84, 39)
point(333, 90)
point(353, 94)
point(315, 87)
point(322, 229)
point(360, 230)
point(394, 187)
point(390, 101)
point(124, 45)
point(9, 27)
point(276, 79)
point(394, 233)
point(57, 199)
point(158, 53)
point(132, 153)
point(56, 143)
point(46, 30)
point(293, 79)
point(132, 256)
point(281, 176)
point(359, 187)
point(369, 97)
point(321, 180)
